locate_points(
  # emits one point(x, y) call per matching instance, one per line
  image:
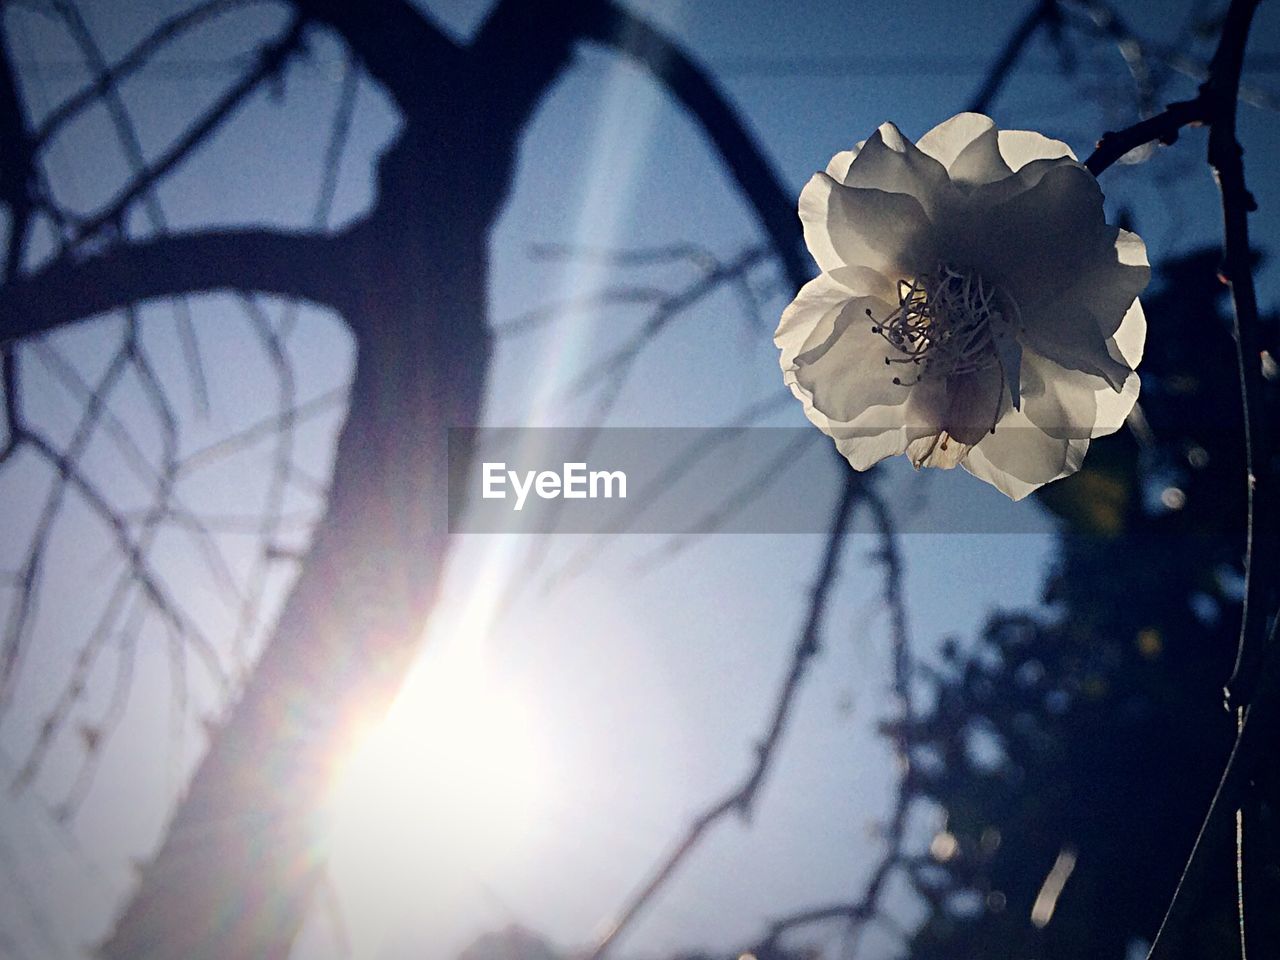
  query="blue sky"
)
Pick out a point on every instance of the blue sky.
point(631, 698)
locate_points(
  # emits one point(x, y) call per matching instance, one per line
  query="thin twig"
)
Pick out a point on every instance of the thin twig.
point(1226, 156)
point(270, 61)
point(1251, 683)
point(134, 60)
point(1042, 14)
point(741, 799)
point(866, 907)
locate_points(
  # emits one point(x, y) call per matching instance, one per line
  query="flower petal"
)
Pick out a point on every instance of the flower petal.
point(867, 447)
point(888, 161)
point(1071, 275)
point(847, 371)
point(856, 226)
point(1070, 334)
point(812, 312)
point(948, 139)
point(941, 451)
point(886, 431)
point(975, 404)
point(838, 168)
point(968, 146)
point(1070, 405)
point(1020, 147)
point(1131, 338)
point(1019, 457)
point(1035, 242)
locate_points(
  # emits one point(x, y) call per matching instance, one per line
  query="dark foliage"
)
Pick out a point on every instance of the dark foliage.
point(1091, 736)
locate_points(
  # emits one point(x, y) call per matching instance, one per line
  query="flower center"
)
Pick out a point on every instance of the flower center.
point(947, 323)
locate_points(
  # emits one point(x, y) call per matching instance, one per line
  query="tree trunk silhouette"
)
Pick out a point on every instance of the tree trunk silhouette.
point(233, 875)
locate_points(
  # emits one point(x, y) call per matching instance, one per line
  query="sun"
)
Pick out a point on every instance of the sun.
point(443, 792)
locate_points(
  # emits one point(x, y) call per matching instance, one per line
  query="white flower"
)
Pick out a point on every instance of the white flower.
point(973, 308)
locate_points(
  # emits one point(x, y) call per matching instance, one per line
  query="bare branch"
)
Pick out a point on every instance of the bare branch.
point(540, 317)
point(615, 26)
point(270, 61)
point(1164, 128)
point(679, 467)
point(1107, 22)
point(741, 799)
point(867, 906)
point(1044, 13)
point(1226, 156)
point(251, 261)
point(735, 501)
point(1256, 680)
point(131, 62)
point(132, 145)
point(610, 367)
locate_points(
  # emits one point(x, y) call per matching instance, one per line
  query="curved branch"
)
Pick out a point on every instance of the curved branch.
point(1226, 156)
point(138, 57)
point(1044, 13)
point(1164, 127)
point(271, 61)
point(610, 24)
point(741, 798)
point(300, 266)
point(1254, 686)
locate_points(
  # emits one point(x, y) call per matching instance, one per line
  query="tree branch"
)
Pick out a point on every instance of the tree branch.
point(1163, 127)
point(137, 57)
point(502, 51)
point(899, 730)
point(610, 24)
point(1255, 681)
point(1045, 12)
point(300, 266)
point(1226, 156)
point(741, 798)
point(271, 60)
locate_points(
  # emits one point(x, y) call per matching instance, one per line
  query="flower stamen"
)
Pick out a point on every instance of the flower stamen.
point(946, 324)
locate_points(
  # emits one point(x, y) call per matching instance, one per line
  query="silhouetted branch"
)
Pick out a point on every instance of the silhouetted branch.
point(1226, 156)
point(1044, 13)
point(251, 261)
point(613, 25)
point(650, 494)
point(261, 430)
point(130, 142)
point(867, 906)
point(1106, 21)
point(741, 799)
point(540, 317)
point(270, 61)
point(1164, 128)
point(736, 500)
point(1140, 54)
point(612, 367)
point(611, 373)
point(137, 57)
point(135, 459)
point(1216, 105)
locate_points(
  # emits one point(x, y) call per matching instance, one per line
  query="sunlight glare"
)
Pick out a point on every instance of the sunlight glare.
point(437, 797)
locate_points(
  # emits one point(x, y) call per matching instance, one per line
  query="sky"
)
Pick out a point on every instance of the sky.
point(610, 709)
